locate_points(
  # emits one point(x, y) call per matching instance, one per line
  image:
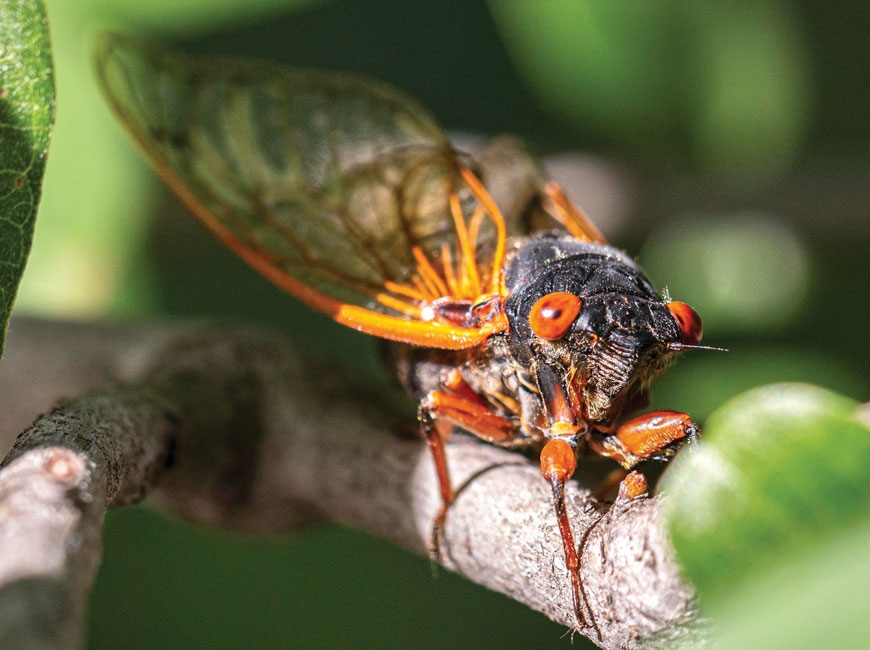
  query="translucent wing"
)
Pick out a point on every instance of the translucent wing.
point(331, 177)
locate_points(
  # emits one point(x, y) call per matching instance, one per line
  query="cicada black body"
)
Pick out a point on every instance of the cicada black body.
point(513, 319)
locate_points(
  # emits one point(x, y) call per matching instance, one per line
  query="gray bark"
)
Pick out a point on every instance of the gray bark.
point(233, 428)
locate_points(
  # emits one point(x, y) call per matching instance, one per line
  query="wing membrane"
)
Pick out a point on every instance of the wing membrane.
point(320, 180)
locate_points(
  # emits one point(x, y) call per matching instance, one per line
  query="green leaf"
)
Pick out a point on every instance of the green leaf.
point(779, 479)
point(26, 120)
point(812, 600)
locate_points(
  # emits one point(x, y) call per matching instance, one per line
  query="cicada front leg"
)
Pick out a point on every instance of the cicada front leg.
point(558, 462)
point(457, 404)
point(656, 436)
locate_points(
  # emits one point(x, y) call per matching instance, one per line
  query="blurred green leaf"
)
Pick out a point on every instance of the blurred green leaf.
point(751, 100)
point(813, 600)
point(702, 380)
point(780, 475)
point(725, 85)
point(602, 65)
point(743, 272)
point(26, 121)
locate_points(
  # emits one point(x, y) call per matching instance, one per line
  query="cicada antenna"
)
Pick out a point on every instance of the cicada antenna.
point(680, 347)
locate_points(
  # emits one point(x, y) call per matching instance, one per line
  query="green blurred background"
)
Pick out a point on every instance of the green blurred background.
point(726, 144)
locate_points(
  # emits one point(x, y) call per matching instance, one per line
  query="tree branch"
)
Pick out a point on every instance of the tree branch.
point(233, 428)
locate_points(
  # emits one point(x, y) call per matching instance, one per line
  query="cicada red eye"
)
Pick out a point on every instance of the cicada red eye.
point(553, 314)
point(689, 322)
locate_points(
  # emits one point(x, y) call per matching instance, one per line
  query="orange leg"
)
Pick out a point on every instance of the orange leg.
point(654, 436)
point(558, 462)
point(438, 413)
point(609, 486)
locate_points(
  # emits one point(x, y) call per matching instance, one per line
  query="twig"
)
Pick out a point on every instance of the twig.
point(230, 427)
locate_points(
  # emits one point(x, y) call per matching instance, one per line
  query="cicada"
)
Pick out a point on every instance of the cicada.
point(510, 316)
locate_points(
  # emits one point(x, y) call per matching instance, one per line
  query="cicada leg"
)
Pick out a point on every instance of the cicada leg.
point(558, 462)
point(635, 440)
point(654, 435)
point(605, 490)
point(456, 405)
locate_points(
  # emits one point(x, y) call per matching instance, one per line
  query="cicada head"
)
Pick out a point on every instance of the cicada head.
point(589, 329)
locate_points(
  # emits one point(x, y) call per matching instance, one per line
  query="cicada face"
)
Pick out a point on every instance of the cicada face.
point(588, 328)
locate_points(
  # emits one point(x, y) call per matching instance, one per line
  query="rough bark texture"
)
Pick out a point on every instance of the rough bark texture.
point(232, 428)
